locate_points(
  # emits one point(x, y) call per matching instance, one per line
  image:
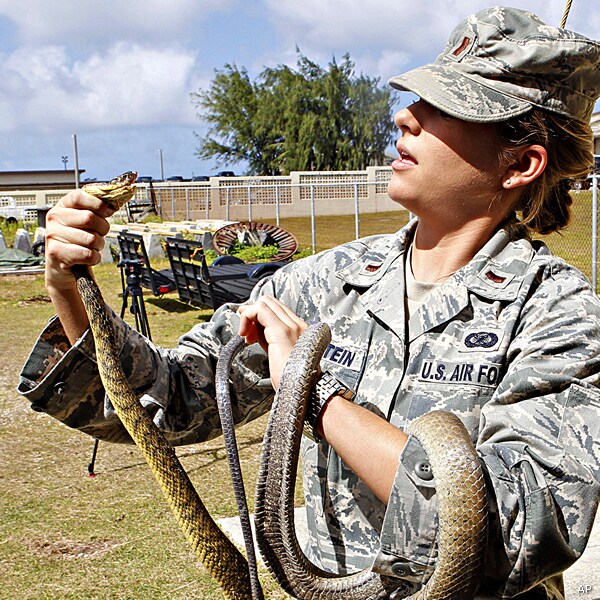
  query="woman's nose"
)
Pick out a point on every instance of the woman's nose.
point(406, 121)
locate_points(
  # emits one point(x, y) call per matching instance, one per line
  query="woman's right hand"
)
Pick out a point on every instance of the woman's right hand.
point(75, 230)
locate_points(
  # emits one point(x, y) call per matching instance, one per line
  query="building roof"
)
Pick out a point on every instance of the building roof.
point(41, 179)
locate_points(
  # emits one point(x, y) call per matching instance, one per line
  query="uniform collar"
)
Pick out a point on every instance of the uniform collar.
point(371, 266)
point(496, 272)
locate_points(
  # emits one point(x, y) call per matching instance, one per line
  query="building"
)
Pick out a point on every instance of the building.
point(595, 123)
point(38, 180)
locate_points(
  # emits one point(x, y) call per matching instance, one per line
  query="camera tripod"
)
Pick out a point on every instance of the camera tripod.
point(131, 273)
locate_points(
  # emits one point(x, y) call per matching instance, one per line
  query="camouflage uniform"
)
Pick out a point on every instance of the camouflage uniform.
point(511, 344)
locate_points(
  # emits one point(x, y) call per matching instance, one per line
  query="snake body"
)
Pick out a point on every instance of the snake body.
point(218, 554)
point(461, 495)
point(462, 507)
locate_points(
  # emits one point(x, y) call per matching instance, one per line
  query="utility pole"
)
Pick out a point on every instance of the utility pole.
point(162, 169)
point(76, 161)
point(65, 160)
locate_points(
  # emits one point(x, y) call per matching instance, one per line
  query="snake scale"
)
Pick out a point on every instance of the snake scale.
point(459, 479)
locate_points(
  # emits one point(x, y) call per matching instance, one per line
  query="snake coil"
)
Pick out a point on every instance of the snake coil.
point(462, 506)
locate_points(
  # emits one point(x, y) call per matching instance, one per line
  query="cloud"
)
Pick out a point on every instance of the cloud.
point(86, 23)
point(385, 37)
point(75, 64)
point(128, 84)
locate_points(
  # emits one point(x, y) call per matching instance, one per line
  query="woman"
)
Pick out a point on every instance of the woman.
point(459, 310)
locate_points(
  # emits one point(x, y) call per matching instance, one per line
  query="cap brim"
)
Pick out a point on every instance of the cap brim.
point(459, 95)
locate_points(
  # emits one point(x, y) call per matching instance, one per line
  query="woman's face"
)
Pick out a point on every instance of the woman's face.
point(447, 168)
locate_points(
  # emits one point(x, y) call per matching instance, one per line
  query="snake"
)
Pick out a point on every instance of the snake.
point(462, 505)
point(225, 563)
point(459, 483)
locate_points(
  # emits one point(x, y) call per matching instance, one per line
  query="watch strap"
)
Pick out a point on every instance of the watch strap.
point(326, 387)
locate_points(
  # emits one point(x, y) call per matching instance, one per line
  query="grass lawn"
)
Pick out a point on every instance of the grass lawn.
point(64, 535)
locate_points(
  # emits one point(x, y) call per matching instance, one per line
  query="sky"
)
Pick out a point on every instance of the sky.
point(118, 74)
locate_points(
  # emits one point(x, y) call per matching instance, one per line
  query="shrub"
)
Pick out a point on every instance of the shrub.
point(254, 253)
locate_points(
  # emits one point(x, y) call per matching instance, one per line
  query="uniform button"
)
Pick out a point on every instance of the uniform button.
point(61, 387)
point(401, 569)
point(423, 470)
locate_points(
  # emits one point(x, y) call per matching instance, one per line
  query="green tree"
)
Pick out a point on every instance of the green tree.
point(308, 118)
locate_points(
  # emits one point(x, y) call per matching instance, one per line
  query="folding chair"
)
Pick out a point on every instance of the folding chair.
point(228, 279)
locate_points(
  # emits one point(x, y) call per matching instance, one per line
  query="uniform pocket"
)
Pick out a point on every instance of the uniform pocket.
point(580, 428)
point(463, 401)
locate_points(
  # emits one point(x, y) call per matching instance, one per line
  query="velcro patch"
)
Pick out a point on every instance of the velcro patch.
point(481, 374)
point(481, 339)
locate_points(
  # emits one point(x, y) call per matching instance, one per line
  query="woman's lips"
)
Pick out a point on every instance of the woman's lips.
point(404, 161)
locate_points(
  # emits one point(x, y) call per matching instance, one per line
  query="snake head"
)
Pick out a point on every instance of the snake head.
point(117, 191)
point(127, 178)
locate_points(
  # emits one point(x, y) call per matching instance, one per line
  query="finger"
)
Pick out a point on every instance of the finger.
point(267, 308)
point(66, 254)
point(271, 320)
point(88, 238)
point(255, 317)
point(79, 199)
point(77, 218)
point(249, 324)
point(283, 312)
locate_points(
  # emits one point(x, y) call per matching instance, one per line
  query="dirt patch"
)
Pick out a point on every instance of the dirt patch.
point(10, 279)
point(71, 549)
point(34, 300)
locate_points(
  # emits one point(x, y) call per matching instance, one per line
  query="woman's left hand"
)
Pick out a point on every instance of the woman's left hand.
point(275, 327)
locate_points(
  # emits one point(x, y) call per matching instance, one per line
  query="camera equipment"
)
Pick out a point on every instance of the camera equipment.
point(131, 273)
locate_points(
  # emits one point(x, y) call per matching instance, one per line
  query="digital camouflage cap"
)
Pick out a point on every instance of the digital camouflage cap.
point(501, 62)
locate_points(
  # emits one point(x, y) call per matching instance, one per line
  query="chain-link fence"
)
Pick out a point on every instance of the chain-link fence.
point(578, 243)
point(360, 203)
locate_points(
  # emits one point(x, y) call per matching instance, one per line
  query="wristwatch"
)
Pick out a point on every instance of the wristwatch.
point(327, 387)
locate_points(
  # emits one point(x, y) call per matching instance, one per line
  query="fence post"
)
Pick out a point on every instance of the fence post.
point(187, 203)
point(356, 213)
point(313, 228)
point(159, 204)
point(227, 203)
point(595, 233)
point(206, 203)
point(250, 203)
point(277, 204)
point(172, 204)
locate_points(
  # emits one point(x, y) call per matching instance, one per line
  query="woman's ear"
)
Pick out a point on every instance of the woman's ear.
point(529, 164)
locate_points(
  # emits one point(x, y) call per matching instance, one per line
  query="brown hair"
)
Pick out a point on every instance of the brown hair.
point(545, 205)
